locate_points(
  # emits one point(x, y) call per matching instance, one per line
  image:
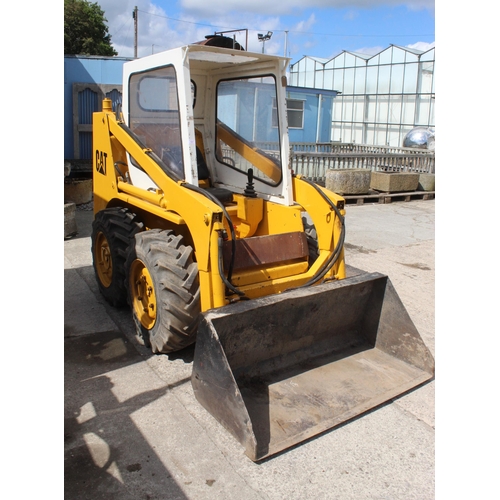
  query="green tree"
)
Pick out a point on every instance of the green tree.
point(85, 29)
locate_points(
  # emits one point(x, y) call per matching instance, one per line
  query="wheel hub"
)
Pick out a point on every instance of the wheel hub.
point(143, 294)
point(104, 261)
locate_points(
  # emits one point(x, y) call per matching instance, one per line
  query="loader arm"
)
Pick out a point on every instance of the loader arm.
point(171, 201)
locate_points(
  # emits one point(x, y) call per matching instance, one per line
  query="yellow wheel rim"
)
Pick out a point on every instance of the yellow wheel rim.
point(104, 262)
point(142, 294)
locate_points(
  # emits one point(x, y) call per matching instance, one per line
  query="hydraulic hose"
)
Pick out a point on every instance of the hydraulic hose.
point(227, 281)
point(221, 270)
point(340, 243)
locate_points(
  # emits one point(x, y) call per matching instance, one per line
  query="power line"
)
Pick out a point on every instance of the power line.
point(291, 31)
point(127, 22)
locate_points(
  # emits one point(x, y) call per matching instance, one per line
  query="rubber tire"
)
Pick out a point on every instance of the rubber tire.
point(175, 281)
point(118, 226)
point(312, 238)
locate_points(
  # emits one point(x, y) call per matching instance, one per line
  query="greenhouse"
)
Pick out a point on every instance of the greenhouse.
point(380, 97)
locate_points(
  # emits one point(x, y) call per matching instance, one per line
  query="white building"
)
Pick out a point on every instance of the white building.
point(381, 97)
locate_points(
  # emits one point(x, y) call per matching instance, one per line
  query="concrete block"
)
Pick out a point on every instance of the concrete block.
point(427, 182)
point(394, 182)
point(69, 220)
point(77, 191)
point(348, 180)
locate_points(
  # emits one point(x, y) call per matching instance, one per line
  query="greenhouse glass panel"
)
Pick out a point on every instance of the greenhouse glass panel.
point(394, 109)
point(386, 56)
point(300, 66)
point(369, 136)
point(423, 114)
point(360, 62)
point(371, 108)
point(427, 69)
point(337, 109)
point(398, 55)
point(426, 83)
point(359, 108)
point(411, 57)
point(357, 133)
point(411, 76)
point(360, 80)
point(393, 135)
point(350, 60)
point(336, 132)
point(384, 79)
point(397, 74)
point(347, 135)
point(408, 110)
point(428, 56)
point(382, 109)
point(374, 60)
point(309, 79)
point(328, 79)
point(380, 135)
point(348, 108)
point(371, 79)
point(338, 80)
point(348, 81)
point(318, 79)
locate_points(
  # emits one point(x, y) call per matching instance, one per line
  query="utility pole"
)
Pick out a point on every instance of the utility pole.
point(135, 15)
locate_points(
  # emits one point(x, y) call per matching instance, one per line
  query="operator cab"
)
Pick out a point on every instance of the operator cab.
point(215, 117)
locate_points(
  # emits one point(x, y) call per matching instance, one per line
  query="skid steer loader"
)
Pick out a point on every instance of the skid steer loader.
point(203, 228)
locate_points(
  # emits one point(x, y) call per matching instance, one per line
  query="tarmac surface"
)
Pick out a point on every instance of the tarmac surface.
point(134, 430)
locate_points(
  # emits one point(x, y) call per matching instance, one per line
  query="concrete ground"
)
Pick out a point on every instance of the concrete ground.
point(133, 429)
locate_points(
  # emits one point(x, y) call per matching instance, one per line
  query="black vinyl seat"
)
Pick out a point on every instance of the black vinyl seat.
point(223, 195)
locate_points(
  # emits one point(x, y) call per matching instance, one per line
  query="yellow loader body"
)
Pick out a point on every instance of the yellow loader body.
point(203, 229)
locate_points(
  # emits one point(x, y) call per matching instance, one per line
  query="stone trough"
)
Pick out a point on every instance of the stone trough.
point(346, 181)
point(77, 190)
point(394, 182)
point(427, 182)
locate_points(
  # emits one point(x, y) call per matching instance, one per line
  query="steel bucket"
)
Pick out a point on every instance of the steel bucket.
point(278, 370)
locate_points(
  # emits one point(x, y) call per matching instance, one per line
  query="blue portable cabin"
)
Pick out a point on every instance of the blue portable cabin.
point(87, 79)
point(310, 114)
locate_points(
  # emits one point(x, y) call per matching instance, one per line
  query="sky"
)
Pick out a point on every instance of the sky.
point(319, 28)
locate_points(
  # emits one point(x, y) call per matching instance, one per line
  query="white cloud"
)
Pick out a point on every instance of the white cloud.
point(156, 31)
point(306, 25)
point(162, 28)
point(370, 51)
point(424, 46)
point(265, 7)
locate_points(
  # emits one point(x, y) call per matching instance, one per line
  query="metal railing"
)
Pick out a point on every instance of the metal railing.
point(314, 165)
point(312, 160)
